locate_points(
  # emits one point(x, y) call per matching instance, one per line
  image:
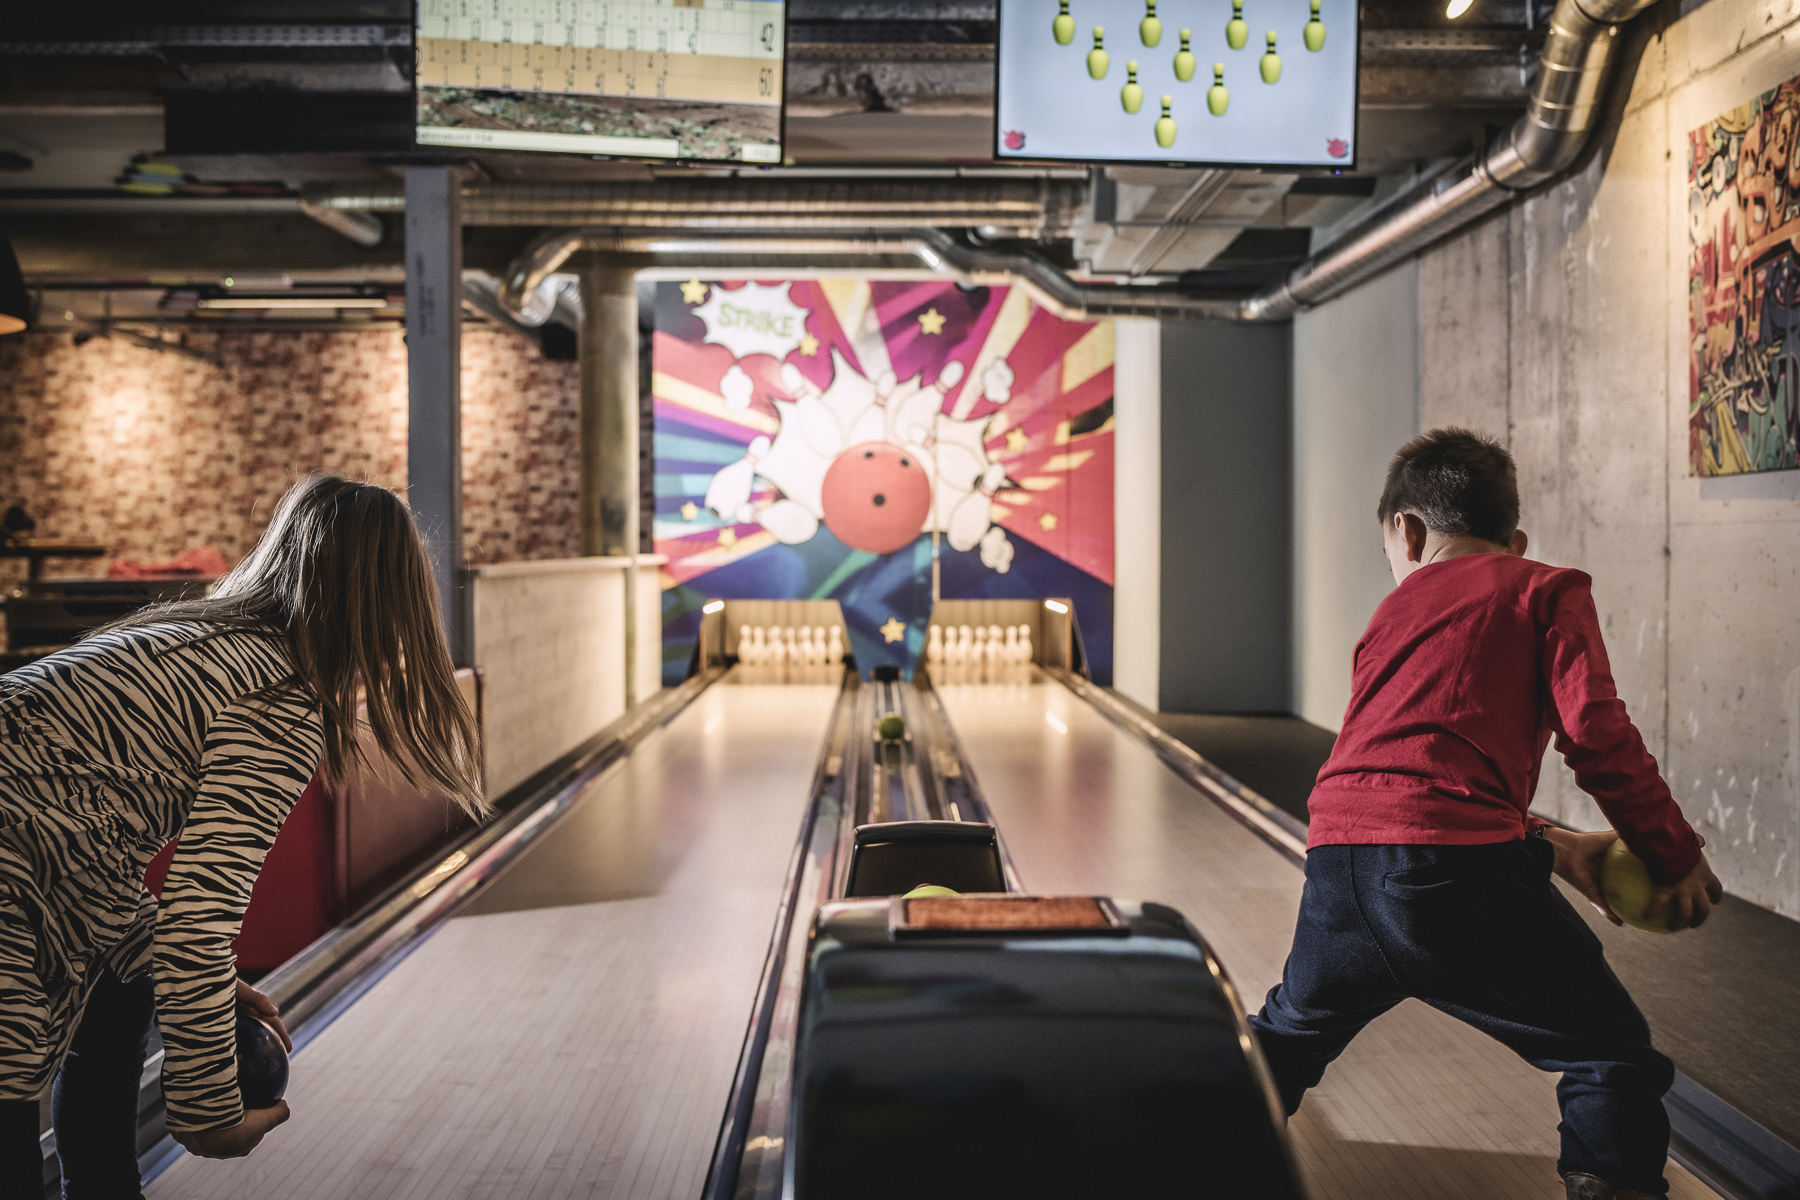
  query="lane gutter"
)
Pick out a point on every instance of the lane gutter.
point(830, 782)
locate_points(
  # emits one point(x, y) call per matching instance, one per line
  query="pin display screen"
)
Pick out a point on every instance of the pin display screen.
point(688, 79)
point(1191, 82)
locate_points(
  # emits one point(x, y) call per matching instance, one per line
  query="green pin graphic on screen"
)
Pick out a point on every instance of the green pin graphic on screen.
point(1237, 30)
point(1150, 29)
point(1184, 58)
point(1063, 28)
point(1271, 62)
point(1165, 125)
point(1131, 95)
point(1217, 98)
point(1097, 56)
point(1314, 33)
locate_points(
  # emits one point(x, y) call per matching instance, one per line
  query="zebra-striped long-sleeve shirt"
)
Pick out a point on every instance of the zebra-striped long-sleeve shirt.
point(108, 750)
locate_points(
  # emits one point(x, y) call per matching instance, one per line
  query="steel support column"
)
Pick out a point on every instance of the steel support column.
point(609, 432)
point(434, 384)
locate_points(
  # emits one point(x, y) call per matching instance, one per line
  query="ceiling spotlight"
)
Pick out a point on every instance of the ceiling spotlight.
point(1457, 8)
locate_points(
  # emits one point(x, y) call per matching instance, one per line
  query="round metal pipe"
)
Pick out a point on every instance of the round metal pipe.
point(1032, 207)
point(527, 275)
point(1560, 117)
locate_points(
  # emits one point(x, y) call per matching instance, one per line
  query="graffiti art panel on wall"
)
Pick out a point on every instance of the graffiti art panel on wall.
point(813, 435)
point(1744, 287)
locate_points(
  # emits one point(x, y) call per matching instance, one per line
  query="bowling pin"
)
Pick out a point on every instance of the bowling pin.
point(744, 644)
point(934, 645)
point(1314, 33)
point(1149, 29)
point(777, 651)
point(965, 641)
point(1165, 125)
point(730, 488)
point(995, 645)
point(806, 646)
point(1026, 654)
point(1271, 62)
point(1184, 58)
point(1237, 30)
point(1131, 96)
point(834, 653)
point(1096, 62)
point(1012, 643)
point(789, 521)
point(1063, 28)
point(978, 658)
point(1217, 98)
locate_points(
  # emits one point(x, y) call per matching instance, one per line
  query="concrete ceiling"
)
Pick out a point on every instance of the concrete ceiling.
point(84, 89)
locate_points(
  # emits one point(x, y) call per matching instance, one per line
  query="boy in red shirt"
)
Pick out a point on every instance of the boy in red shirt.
point(1425, 874)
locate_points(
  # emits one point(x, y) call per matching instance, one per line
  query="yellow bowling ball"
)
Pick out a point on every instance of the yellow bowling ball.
point(1626, 883)
point(926, 891)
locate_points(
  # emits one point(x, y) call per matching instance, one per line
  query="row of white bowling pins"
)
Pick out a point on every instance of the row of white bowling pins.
point(782, 645)
point(965, 645)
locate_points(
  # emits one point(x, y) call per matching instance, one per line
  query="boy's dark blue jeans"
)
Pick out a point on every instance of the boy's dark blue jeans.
point(1480, 933)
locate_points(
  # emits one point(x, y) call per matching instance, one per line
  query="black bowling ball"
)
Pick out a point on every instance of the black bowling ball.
point(262, 1063)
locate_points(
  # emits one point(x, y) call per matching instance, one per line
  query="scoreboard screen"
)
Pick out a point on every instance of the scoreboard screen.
point(1242, 83)
point(687, 79)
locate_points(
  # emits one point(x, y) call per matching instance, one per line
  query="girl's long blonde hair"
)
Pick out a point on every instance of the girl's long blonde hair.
point(342, 574)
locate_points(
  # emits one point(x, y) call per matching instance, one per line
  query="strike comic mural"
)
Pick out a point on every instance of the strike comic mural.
point(1744, 287)
point(812, 435)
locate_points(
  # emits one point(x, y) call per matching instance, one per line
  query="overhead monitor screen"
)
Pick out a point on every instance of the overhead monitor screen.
point(689, 79)
point(1215, 82)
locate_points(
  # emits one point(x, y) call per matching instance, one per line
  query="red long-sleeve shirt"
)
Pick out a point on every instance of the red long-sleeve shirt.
point(1466, 671)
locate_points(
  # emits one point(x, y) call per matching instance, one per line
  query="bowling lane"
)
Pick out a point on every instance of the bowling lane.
point(1421, 1106)
point(576, 1031)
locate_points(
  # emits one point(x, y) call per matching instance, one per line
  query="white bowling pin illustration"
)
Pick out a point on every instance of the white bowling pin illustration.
point(789, 521)
point(730, 488)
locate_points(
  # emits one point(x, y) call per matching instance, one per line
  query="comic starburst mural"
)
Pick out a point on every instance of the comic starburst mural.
point(813, 435)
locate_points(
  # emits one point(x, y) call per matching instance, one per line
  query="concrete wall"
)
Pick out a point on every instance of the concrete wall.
point(549, 640)
point(1225, 533)
point(1137, 510)
point(1561, 324)
point(1356, 399)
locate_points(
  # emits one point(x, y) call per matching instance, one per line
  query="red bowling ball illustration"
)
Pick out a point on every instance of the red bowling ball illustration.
point(876, 497)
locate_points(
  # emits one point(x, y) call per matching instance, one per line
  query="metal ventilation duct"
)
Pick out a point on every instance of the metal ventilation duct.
point(524, 293)
point(1543, 143)
point(1026, 207)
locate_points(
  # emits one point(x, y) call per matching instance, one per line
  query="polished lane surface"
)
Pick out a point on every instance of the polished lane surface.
point(1420, 1107)
point(575, 1032)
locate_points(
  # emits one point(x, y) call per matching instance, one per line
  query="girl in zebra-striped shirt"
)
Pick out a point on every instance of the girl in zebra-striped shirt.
point(201, 719)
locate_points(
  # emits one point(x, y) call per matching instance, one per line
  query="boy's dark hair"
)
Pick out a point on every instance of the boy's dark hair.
point(1457, 482)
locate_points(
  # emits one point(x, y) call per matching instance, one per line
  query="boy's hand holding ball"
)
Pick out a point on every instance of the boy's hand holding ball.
point(1610, 877)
